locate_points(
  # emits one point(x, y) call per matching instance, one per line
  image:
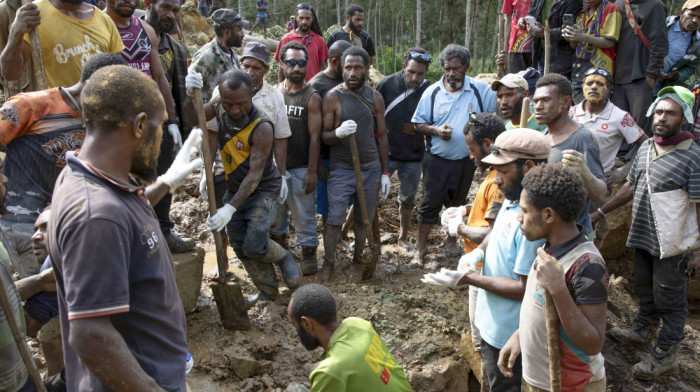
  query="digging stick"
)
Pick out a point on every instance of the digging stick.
point(367, 268)
point(501, 68)
point(37, 59)
point(547, 48)
point(27, 357)
point(228, 295)
point(525, 112)
point(552, 322)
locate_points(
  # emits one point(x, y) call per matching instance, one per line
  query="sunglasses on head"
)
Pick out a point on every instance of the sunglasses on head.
point(597, 71)
point(292, 63)
point(496, 150)
point(418, 55)
point(303, 6)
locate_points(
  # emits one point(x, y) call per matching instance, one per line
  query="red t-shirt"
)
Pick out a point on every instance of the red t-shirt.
point(315, 44)
point(520, 40)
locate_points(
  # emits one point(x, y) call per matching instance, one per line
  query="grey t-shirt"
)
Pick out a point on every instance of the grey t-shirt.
point(354, 109)
point(111, 259)
point(582, 141)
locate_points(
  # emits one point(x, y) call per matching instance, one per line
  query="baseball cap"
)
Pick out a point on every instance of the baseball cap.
point(257, 51)
point(511, 81)
point(690, 4)
point(681, 95)
point(518, 143)
point(226, 17)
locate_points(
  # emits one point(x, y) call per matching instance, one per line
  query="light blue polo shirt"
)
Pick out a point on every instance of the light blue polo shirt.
point(453, 110)
point(678, 42)
point(508, 255)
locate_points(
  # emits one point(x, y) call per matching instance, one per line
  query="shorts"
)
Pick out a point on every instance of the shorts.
point(446, 183)
point(342, 187)
point(261, 20)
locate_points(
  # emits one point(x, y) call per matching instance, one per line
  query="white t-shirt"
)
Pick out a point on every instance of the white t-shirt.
point(608, 128)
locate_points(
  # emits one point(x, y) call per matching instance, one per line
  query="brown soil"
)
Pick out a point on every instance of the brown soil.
point(422, 325)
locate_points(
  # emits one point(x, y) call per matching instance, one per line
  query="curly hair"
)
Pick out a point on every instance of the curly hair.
point(351, 10)
point(100, 60)
point(558, 187)
point(407, 57)
point(315, 301)
point(453, 51)
point(293, 45)
point(486, 125)
point(356, 51)
point(562, 83)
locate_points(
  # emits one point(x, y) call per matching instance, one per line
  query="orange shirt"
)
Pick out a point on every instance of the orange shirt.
point(487, 203)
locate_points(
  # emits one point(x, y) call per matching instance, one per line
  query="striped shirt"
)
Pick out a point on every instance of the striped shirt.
point(677, 168)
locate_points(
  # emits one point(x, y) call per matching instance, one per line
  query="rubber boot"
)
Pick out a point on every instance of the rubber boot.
point(659, 362)
point(309, 265)
point(282, 239)
point(290, 271)
point(631, 336)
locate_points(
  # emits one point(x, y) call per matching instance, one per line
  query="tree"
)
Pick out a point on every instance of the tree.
point(418, 22)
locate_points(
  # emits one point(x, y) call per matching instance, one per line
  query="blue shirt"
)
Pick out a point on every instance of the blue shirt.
point(453, 110)
point(260, 3)
point(508, 255)
point(678, 42)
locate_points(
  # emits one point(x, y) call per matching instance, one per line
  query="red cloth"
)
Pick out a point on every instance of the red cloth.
point(673, 140)
point(520, 41)
point(318, 51)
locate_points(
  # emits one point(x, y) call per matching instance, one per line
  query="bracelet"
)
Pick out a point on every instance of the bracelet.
point(601, 212)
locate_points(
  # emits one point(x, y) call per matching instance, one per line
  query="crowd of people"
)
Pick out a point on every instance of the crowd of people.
point(92, 161)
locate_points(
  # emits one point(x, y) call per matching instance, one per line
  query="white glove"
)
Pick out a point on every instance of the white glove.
point(203, 187)
point(284, 190)
point(182, 165)
point(445, 277)
point(451, 213)
point(347, 128)
point(174, 131)
point(193, 80)
point(221, 218)
point(472, 261)
point(386, 186)
point(453, 225)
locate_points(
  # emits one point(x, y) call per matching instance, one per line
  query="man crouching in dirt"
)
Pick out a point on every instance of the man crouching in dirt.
point(121, 317)
point(244, 139)
point(506, 253)
point(571, 269)
point(355, 357)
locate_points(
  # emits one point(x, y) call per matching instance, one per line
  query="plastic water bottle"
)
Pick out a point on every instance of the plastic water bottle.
point(188, 364)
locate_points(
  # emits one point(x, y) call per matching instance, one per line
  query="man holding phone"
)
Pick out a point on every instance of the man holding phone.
point(554, 12)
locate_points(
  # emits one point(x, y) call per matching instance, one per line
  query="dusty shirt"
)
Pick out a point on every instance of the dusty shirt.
point(110, 258)
point(587, 280)
point(67, 43)
point(37, 129)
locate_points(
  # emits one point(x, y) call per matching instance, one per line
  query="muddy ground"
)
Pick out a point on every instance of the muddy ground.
point(422, 325)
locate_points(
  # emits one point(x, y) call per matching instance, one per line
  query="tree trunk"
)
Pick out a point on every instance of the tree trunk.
point(337, 10)
point(468, 25)
point(440, 30)
point(368, 17)
point(418, 22)
point(484, 34)
point(402, 21)
point(499, 17)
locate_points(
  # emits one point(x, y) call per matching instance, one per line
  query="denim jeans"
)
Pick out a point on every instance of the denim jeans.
point(409, 173)
point(302, 207)
point(660, 285)
point(248, 232)
point(17, 238)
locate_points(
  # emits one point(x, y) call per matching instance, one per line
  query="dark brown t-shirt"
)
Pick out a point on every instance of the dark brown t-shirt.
point(111, 259)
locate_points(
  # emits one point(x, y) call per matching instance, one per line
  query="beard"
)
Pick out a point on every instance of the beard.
point(356, 29)
point(231, 123)
point(668, 129)
point(455, 84)
point(145, 164)
point(309, 342)
point(234, 41)
point(296, 78)
point(122, 13)
point(355, 84)
point(514, 108)
point(156, 22)
point(513, 191)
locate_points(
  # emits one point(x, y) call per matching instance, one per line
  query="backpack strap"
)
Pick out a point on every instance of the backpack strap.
point(478, 96)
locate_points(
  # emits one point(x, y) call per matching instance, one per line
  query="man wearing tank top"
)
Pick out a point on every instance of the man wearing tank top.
point(353, 108)
point(573, 272)
point(303, 106)
point(141, 52)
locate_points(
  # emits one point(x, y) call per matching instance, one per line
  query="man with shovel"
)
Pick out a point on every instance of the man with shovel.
point(353, 108)
point(573, 272)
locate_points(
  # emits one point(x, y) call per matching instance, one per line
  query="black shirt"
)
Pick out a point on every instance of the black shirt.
point(341, 35)
point(405, 144)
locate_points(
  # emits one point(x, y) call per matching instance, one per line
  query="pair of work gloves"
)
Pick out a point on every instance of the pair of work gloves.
point(349, 127)
point(183, 164)
point(468, 264)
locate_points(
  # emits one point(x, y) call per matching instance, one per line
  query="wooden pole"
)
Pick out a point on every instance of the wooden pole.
point(553, 353)
point(37, 58)
point(27, 357)
point(525, 112)
point(228, 295)
point(547, 48)
point(367, 267)
point(502, 70)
